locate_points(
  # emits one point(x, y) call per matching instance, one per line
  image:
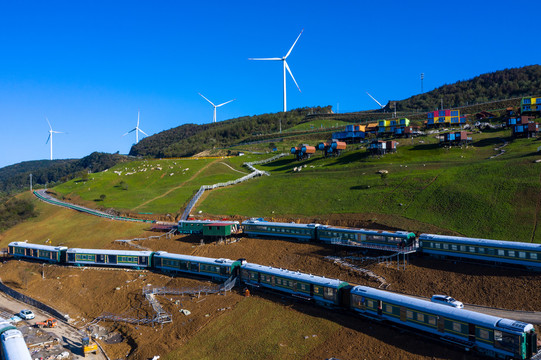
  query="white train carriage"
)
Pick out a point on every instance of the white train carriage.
point(117, 258)
point(322, 290)
point(490, 335)
point(506, 252)
point(196, 265)
point(12, 343)
point(53, 254)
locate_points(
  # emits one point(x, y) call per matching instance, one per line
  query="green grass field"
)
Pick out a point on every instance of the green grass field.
point(457, 188)
point(60, 226)
point(275, 332)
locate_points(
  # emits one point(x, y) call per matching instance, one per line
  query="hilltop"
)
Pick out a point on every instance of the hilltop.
point(505, 87)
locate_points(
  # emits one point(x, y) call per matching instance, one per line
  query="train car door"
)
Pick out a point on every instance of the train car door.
point(100, 258)
point(441, 324)
point(471, 332)
point(380, 307)
point(402, 313)
point(224, 270)
point(111, 259)
point(194, 267)
point(143, 260)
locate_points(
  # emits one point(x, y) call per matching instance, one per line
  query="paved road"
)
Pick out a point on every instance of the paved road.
point(69, 336)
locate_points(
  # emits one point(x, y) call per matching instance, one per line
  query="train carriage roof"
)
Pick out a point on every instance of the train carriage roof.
point(295, 275)
point(208, 222)
point(401, 234)
point(442, 310)
point(109, 252)
point(482, 242)
point(26, 245)
point(279, 224)
point(166, 255)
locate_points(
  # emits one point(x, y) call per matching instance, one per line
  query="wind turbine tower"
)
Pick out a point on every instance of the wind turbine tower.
point(136, 129)
point(50, 138)
point(215, 106)
point(286, 67)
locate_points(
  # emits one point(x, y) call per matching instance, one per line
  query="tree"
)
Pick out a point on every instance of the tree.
point(102, 197)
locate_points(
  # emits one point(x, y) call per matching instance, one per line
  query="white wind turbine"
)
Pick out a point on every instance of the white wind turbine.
point(50, 138)
point(382, 106)
point(284, 62)
point(215, 106)
point(136, 129)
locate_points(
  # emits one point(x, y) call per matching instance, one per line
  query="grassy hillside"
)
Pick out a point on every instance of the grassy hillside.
point(155, 186)
point(70, 228)
point(459, 189)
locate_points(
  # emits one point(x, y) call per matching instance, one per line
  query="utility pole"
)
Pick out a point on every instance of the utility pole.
point(394, 109)
point(442, 103)
point(30, 182)
point(422, 78)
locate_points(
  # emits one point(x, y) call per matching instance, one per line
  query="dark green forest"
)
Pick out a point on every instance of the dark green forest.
point(13, 211)
point(498, 85)
point(189, 139)
point(15, 177)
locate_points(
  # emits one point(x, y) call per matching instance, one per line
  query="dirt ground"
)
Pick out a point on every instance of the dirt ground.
point(86, 293)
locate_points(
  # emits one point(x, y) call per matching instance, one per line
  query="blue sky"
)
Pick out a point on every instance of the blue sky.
point(89, 65)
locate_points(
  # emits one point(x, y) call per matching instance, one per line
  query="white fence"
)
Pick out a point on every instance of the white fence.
point(249, 165)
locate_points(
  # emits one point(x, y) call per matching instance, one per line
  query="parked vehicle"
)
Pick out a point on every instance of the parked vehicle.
point(26, 314)
point(447, 300)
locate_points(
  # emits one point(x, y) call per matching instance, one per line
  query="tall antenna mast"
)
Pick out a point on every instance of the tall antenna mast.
point(30, 182)
point(422, 78)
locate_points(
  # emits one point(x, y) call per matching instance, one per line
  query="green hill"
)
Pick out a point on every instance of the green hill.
point(15, 177)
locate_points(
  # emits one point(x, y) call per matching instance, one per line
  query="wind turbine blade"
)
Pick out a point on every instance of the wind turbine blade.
point(206, 99)
point(225, 103)
point(132, 130)
point(58, 132)
point(265, 59)
point(290, 73)
point(143, 132)
point(50, 127)
point(292, 46)
point(48, 138)
point(375, 100)
point(137, 118)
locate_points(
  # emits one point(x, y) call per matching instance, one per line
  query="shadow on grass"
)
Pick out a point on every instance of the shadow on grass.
point(426, 147)
point(490, 142)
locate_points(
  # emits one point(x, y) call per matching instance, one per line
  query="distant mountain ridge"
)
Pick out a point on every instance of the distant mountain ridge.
point(15, 177)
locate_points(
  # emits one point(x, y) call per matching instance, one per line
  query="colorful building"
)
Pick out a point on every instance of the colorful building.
point(525, 130)
point(530, 105)
point(380, 147)
point(455, 138)
point(352, 134)
point(445, 118)
point(393, 126)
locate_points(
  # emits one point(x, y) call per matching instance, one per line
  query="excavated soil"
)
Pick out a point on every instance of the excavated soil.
point(85, 293)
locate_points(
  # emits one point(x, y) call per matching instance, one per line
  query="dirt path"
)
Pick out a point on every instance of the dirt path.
point(242, 172)
point(176, 187)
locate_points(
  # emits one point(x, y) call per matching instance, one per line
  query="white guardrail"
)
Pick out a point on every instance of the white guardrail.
point(249, 165)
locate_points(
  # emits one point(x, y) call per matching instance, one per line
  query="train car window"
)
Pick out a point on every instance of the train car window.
point(501, 252)
point(533, 256)
point(421, 317)
point(484, 334)
point(462, 247)
point(370, 303)
point(522, 254)
point(511, 253)
point(457, 327)
point(431, 320)
point(481, 250)
point(472, 249)
point(409, 314)
point(454, 247)
point(491, 251)
point(506, 341)
point(244, 274)
point(329, 293)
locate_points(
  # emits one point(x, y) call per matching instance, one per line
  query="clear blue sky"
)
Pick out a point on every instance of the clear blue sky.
point(89, 65)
